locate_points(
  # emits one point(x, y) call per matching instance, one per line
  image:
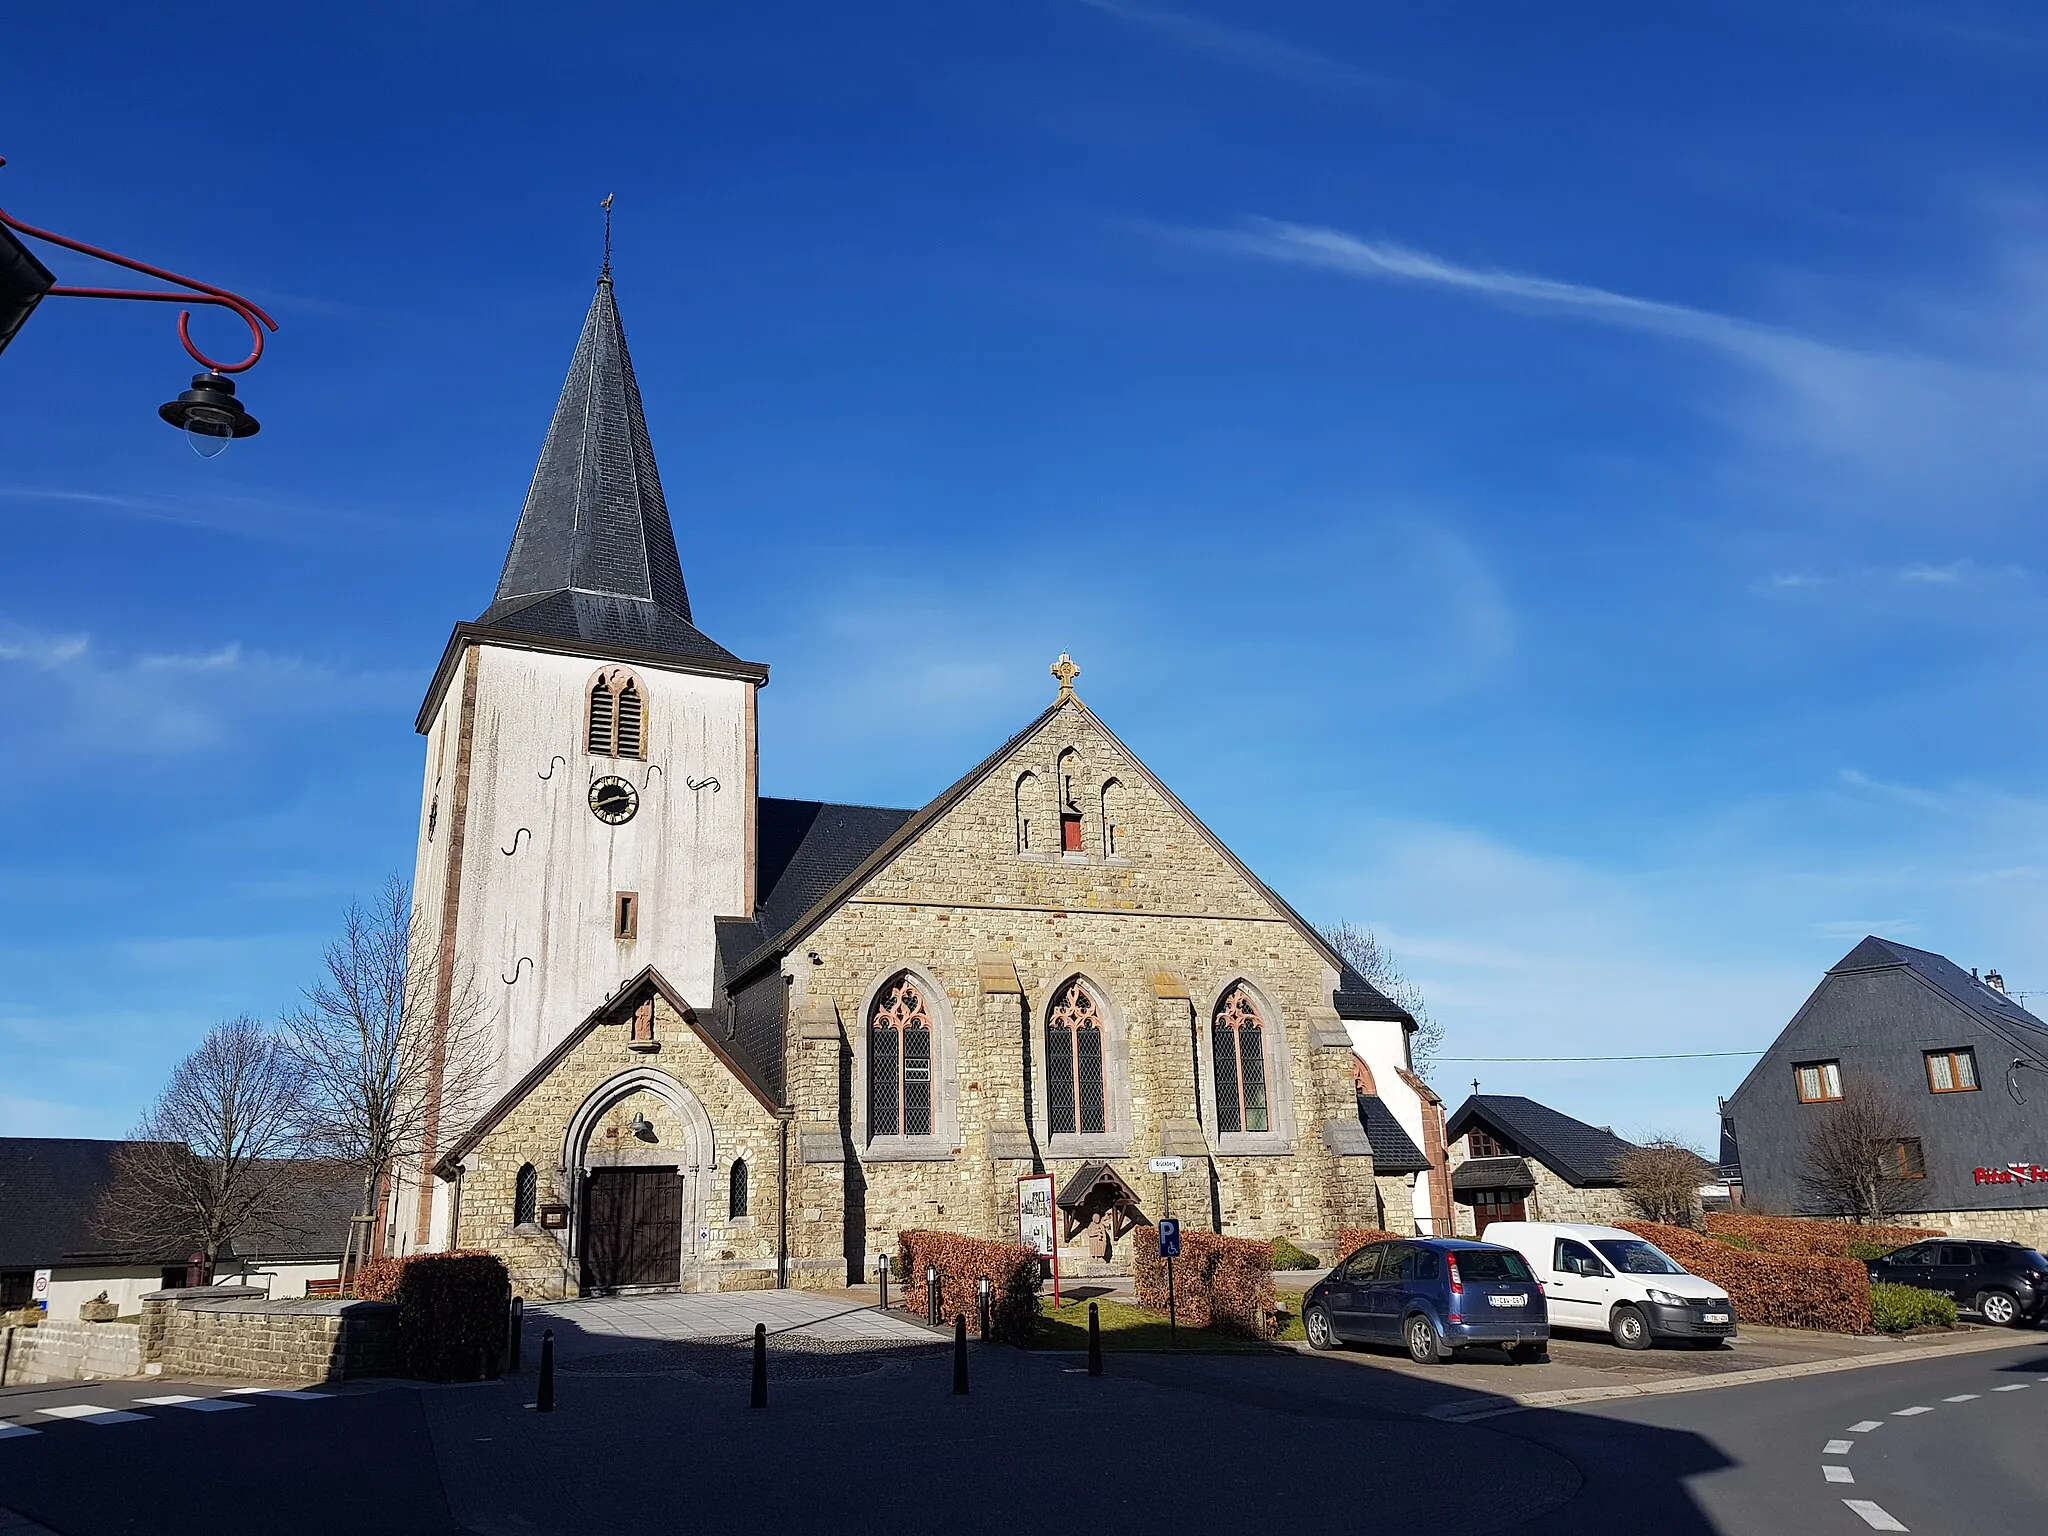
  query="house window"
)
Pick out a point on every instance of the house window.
point(616, 725)
point(1027, 802)
point(1909, 1158)
point(1073, 1064)
point(900, 1062)
point(1484, 1145)
point(736, 1190)
point(1952, 1071)
point(1238, 1038)
point(626, 915)
point(525, 1196)
point(1820, 1082)
point(1112, 819)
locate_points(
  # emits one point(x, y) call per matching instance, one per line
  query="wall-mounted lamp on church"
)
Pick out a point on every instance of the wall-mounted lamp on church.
point(639, 1128)
point(208, 413)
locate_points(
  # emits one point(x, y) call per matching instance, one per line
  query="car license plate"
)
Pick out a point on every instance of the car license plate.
point(1715, 1317)
point(1507, 1301)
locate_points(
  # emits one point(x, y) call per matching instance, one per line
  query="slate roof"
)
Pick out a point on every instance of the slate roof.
point(1502, 1173)
point(1393, 1150)
point(803, 849)
point(594, 556)
point(1980, 999)
point(50, 1189)
point(1357, 998)
point(1580, 1154)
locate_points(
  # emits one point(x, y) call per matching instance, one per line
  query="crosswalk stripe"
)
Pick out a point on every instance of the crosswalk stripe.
point(1866, 1426)
point(1907, 1413)
point(1873, 1515)
point(1838, 1474)
point(91, 1413)
point(2017, 1386)
point(285, 1392)
point(1838, 1448)
point(1961, 1397)
point(9, 1431)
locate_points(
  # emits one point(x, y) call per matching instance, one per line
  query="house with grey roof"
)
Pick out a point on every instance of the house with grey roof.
point(1512, 1159)
point(1962, 1066)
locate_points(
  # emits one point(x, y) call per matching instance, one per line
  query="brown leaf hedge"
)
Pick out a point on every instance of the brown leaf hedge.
point(962, 1262)
point(1773, 1290)
point(1351, 1239)
point(1225, 1283)
point(453, 1311)
point(1812, 1239)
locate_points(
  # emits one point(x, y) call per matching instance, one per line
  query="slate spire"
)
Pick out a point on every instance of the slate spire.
point(594, 557)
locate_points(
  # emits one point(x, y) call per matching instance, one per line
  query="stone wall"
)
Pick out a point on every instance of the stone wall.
point(190, 1333)
point(2021, 1226)
point(69, 1351)
point(1555, 1200)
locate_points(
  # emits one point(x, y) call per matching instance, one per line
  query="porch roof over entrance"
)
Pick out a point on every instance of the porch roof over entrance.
point(1507, 1174)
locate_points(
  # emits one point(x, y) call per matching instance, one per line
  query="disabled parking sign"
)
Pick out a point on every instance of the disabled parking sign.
point(1169, 1237)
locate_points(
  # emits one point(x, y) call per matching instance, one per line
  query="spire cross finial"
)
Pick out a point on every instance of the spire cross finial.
point(607, 206)
point(1065, 670)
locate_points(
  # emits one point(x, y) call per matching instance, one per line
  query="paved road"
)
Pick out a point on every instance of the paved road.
point(658, 1438)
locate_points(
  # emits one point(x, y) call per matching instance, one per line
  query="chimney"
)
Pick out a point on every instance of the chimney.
point(1993, 979)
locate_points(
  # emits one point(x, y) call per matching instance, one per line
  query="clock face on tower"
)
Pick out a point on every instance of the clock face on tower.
point(613, 800)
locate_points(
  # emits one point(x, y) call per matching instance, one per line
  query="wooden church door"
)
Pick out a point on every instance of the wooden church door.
point(632, 1228)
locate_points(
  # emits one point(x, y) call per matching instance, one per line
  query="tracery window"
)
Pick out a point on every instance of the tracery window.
point(1073, 1063)
point(617, 718)
point(1238, 1040)
point(900, 1062)
point(525, 1196)
point(736, 1190)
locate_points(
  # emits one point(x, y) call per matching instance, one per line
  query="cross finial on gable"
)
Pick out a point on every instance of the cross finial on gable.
point(1065, 670)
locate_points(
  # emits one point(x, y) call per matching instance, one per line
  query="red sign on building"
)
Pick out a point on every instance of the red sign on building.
point(2014, 1173)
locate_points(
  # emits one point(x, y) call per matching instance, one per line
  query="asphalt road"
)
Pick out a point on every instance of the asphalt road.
point(1181, 1444)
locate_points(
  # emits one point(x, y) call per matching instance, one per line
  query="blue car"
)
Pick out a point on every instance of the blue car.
point(1432, 1295)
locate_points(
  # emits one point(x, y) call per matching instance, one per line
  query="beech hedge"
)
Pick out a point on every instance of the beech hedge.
point(1773, 1290)
point(1351, 1239)
point(1811, 1238)
point(963, 1262)
point(453, 1311)
point(1225, 1283)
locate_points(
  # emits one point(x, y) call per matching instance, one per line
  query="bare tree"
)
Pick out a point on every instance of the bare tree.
point(1362, 948)
point(395, 1047)
point(1861, 1156)
point(1663, 1177)
point(215, 1156)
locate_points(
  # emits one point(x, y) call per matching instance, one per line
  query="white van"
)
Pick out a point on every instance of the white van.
point(1614, 1281)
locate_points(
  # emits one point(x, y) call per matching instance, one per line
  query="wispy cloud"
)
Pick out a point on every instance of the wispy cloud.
point(1897, 426)
point(1240, 45)
point(268, 518)
point(170, 701)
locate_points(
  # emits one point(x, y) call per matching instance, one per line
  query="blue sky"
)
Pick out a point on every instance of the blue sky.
point(1560, 488)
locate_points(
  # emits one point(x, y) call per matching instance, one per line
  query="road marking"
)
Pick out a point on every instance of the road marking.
point(1873, 1515)
point(166, 1402)
point(9, 1431)
point(1838, 1448)
point(1907, 1413)
point(297, 1397)
point(1961, 1397)
point(1866, 1426)
point(92, 1413)
point(1838, 1474)
point(2017, 1386)
point(207, 1405)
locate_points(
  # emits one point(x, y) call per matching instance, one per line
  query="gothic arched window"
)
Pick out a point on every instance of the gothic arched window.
point(736, 1190)
point(1073, 1064)
point(1238, 1038)
point(1027, 805)
point(1064, 773)
point(1112, 818)
point(900, 1062)
point(617, 717)
point(525, 1196)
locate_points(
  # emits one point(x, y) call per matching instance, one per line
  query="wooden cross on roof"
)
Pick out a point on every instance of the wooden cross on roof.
point(1065, 670)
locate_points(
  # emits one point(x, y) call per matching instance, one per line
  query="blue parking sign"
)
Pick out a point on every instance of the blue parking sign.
point(1169, 1238)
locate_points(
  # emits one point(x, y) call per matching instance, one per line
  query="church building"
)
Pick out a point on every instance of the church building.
point(736, 1041)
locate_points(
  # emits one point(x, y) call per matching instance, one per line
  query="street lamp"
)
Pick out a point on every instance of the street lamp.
point(208, 413)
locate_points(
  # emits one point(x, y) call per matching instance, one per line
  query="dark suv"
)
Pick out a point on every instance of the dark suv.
point(2003, 1283)
point(1433, 1296)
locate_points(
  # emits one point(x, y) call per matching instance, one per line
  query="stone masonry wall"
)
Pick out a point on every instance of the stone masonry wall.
point(1555, 1200)
point(278, 1340)
point(2012, 1226)
point(69, 1351)
point(735, 1255)
point(1158, 930)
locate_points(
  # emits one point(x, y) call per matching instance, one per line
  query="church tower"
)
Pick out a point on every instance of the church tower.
point(589, 801)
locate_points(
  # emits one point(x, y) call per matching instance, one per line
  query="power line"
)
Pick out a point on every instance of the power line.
point(1672, 1056)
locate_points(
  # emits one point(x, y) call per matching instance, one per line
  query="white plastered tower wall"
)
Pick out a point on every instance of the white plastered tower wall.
point(1382, 1044)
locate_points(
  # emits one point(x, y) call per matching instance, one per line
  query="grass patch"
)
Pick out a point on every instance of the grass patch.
point(1896, 1308)
point(1125, 1327)
point(1734, 1240)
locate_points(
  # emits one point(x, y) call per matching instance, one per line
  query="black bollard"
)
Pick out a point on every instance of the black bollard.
point(960, 1354)
point(1094, 1340)
point(544, 1397)
point(882, 1273)
point(518, 1327)
point(931, 1297)
point(760, 1399)
point(984, 1319)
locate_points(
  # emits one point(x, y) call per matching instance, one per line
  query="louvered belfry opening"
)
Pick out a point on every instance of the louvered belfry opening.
point(630, 720)
point(603, 718)
point(1073, 1063)
point(1238, 1042)
point(900, 1062)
